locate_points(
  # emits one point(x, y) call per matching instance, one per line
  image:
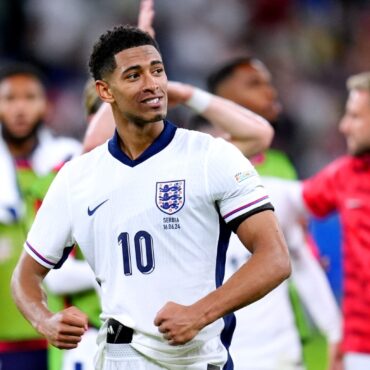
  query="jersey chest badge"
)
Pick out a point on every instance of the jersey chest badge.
point(170, 196)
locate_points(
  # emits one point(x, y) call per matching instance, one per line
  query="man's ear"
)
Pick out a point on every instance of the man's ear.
point(104, 92)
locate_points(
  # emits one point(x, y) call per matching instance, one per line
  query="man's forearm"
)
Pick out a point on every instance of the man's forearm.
point(28, 293)
point(250, 132)
point(246, 286)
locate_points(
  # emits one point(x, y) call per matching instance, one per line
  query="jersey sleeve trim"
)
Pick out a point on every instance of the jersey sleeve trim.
point(45, 262)
point(38, 257)
point(227, 217)
point(66, 252)
point(234, 224)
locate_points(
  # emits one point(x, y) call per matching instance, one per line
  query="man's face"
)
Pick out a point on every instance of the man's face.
point(250, 86)
point(22, 105)
point(138, 85)
point(355, 124)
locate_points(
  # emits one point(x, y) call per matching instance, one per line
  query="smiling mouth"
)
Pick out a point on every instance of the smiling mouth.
point(155, 103)
point(151, 101)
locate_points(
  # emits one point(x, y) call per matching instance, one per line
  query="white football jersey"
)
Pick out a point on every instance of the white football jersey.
point(153, 230)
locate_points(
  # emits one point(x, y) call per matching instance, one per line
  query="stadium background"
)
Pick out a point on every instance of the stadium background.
point(311, 47)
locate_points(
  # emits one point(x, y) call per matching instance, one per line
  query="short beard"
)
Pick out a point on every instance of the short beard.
point(10, 138)
point(140, 122)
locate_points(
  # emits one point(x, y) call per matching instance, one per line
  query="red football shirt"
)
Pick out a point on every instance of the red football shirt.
point(344, 185)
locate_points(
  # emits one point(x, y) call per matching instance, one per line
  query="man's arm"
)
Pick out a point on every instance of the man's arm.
point(100, 129)
point(267, 268)
point(63, 329)
point(248, 131)
point(146, 17)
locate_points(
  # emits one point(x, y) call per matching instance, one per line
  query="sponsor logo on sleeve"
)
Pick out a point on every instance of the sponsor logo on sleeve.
point(241, 176)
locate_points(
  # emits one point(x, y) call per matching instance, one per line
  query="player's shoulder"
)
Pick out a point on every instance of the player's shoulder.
point(87, 161)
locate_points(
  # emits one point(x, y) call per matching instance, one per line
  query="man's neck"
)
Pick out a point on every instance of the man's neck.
point(134, 139)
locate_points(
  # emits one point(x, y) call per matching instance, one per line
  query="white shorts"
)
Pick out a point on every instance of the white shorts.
point(356, 361)
point(124, 357)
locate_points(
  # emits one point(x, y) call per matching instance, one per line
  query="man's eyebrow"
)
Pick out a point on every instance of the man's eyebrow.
point(136, 67)
point(154, 62)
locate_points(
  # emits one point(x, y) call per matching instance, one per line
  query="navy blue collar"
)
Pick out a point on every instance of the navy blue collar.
point(158, 144)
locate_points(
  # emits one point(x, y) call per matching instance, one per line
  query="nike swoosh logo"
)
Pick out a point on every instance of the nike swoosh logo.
point(90, 212)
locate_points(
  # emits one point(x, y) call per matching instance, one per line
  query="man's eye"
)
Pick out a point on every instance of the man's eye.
point(132, 76)
point(158, 70)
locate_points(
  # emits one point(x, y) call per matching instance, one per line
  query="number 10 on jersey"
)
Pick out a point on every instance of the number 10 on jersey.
point(143, 251)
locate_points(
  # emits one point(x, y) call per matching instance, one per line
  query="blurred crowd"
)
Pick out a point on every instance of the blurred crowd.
point(310, 46)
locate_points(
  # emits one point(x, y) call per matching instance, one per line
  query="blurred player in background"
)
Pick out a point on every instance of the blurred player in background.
point(29, 157)
point(344, 186)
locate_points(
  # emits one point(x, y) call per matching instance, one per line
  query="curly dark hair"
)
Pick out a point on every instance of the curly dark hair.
point(113, 41)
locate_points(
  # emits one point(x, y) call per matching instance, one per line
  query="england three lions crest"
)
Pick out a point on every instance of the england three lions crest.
point(170, 196)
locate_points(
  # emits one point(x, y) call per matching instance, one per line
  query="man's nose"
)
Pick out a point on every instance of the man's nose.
point(150, 83)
